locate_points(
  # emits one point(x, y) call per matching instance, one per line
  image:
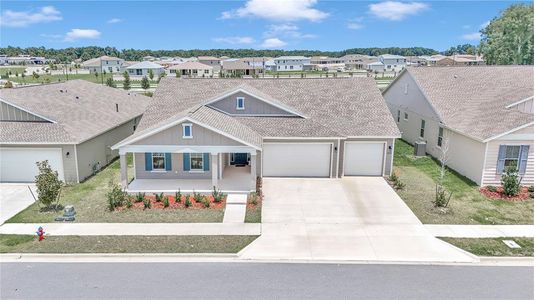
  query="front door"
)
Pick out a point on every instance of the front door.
point(240, 159)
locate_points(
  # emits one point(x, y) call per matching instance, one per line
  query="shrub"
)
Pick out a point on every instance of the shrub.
point(178, 196)
point(48, 184)
point(531, 188)
point(492, 188)
point(442, 199)
point(129, 202)
point(197, 197)
point(531, 195)
point(393, 177)
point(399, 185)
point(139, 197)
point(510, 181)
point(116, 196)
point(187, 201)
point(165, 201)
point(205, 201)
point(159, 197)
point(253, 198)
point(147, 203)
point(217, 195)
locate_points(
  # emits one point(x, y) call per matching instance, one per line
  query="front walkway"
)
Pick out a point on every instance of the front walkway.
point(480, 231)
point(236, 208)
point(357, 218)
point(14, 198)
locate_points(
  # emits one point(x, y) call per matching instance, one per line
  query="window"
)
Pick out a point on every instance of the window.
point(422, 131)
point(158, 161)
point(440, 136)
point(206, 71)
point(187, 131)
point(405, 116)
point(196, 162)
point(240, 103)
point(398, 116)
point(511, 158)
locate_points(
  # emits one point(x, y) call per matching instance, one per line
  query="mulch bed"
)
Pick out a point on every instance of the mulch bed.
point(176, 205)
point(522, 196)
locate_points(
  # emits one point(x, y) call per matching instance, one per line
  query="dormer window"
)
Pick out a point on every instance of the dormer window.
point(187, 131)
point(240, 103)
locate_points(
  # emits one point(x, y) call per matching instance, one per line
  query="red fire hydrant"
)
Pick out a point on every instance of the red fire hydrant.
point(40, 233)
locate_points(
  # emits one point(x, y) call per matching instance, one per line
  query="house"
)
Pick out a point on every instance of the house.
point(257, 62)
point(103, 64)
point(192, 69)
point(211, 61)
point(226, 133)
point(239, 68)
point(292, 63)
point(358, 61)
point(482, 117)
point(143, 69)
point(376, 67)
point(460, 60)
point(71, 124)
point(392, 63)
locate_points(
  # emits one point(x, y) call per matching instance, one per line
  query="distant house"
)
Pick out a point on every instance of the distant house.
point(104, 63)
point(460, 60)
point(239, 68)
point(376, 66)
point(388, 63)
point(71, 124)
point(192, 69)
point(256, 61)
point(292, 63)
point(358, 61)
point(143, 69)
point(211, 61)
point(484, 116)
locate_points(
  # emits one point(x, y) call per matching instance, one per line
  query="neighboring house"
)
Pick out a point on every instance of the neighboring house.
point(192, 69)
point(270, 65)
point(143, 69)
point(392, 63)
point(239, 68)
point(257, 62)
point(24, 59)
point(358, 61)
point(292, 63)
point(485, 115)
point(460, 60)
point(225, 133)
point(71, 124)
point(104, 63)
point(376, 67)
point(211, 61)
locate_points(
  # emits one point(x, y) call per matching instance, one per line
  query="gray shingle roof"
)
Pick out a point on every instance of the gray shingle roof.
point(473, 100)
point(81, 110)
point(347, 107)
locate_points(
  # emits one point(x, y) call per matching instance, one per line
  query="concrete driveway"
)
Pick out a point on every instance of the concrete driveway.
point(14, 198)
point(354, 218)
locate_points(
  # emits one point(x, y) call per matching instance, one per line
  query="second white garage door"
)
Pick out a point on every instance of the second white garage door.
point(363, 159)
point(18, 164)
point(296, 160)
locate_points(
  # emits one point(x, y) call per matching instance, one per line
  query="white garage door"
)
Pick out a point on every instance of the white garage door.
point(18, 164)
point(363, 159)
point(296, 160)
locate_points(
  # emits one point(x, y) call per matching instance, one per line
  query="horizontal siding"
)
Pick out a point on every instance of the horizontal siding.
point(490, 169)
point(177, 171)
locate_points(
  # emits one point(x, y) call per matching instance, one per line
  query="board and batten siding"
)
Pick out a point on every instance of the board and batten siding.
point(11, 113)
point(525, 106)
point(253, 106)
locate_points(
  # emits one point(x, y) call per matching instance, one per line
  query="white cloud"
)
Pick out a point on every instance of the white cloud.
point(354, 25)
point(235, 40)
point(475, 36)
point(278, 10)
point(273, 43)
point(396, 11)
point(114, 21)
point(287, 31)
point(45, 14)
point(76, 34)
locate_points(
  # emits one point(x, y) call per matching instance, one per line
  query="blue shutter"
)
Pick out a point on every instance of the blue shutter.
point(206, 161)
point(500, 161)
point(148, 161)
point(187, 167)
point(168, 161)
point(523, 157)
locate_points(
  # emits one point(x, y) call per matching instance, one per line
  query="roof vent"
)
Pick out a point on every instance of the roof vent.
point(77, 97)
point(61, 91)
point(455, 76)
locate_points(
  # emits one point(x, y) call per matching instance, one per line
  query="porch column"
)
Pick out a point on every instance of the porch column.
point(124, 171)
point(214, 170)
point(253, 169)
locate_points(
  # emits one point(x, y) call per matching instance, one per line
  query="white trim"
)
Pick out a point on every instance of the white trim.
point(76, 164)
point(249, 115)
point(384, 153)
point(30, 112)
point(191, 170)
point(184, 125)
point(392, 157)
point(301, 138)
point(301, 143)
point(173, 123)
point(35, 143)
point(519, 102)
point(337, 157)
point(184, 149)
point(237, 107)
point(134, 167)
point(375, 137)
point(164, 163)
point(484, 164)
point(508, 132)
point(283, 107)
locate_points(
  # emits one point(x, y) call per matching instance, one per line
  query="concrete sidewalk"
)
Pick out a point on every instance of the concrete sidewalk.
point(236, 208)
point(480, 231)
point(14, 198)
point(134, 228)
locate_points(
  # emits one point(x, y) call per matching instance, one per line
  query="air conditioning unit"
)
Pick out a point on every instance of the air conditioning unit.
point(420, 149)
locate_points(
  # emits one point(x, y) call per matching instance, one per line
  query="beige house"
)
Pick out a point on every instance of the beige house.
point(211, 61)
point(484, 116)
point(103, 64)
point(197, 134)
point(72, 125)
point(191, 69)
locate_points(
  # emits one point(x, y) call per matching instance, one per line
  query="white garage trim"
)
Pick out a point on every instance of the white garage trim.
point(302, 143)
point(76, 164)
point(61, 170)
point(384, 153)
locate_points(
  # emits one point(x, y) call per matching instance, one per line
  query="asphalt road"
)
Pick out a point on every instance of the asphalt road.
point(261, 281)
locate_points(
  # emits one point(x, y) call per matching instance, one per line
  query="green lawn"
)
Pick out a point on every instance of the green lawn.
point(89, 200)
point(124, 244)
point(45, 78)
point(12, 69)
point(253, 213)
point(467, 205)
point(494, 246)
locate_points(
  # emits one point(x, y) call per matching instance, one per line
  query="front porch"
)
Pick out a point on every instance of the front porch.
point(234, 180)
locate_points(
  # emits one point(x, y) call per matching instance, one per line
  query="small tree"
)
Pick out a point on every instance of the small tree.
point(126, 82)
point(145, 84)
point(35, 75)
point(178, 73)
point(48, 184)
point(110, 82)
point(442, 198)
point(511, 183)
point(150, 74)
point(161, 75)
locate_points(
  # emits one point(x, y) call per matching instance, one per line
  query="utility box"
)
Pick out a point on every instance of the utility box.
point(420, 149)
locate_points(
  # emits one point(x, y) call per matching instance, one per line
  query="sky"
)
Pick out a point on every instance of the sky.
point(258, 24)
